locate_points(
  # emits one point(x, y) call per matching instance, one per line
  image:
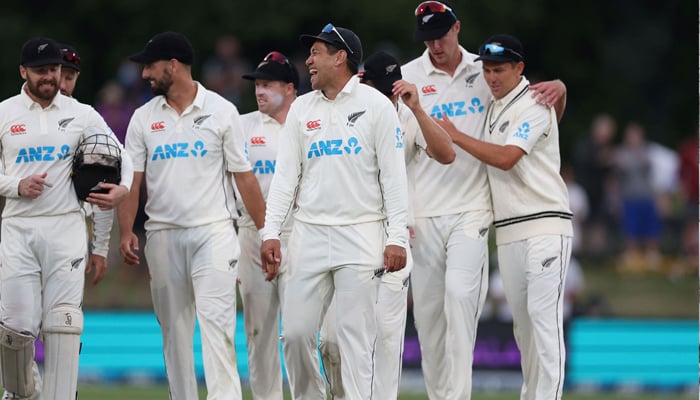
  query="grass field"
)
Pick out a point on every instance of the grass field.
point(161, 393)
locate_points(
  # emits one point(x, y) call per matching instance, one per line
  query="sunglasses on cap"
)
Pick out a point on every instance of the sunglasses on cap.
point(275, 56)
point(433, 7)
point(497, 50)
point(330, 28)
point(71, 57)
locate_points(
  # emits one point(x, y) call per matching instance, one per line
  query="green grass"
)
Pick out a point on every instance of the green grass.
point(120, 392)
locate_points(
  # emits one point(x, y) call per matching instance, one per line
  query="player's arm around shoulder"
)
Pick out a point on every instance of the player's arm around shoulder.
point(495, 155)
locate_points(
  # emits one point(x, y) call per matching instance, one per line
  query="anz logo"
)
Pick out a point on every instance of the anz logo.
point(399, 138)
point(458, 108)
point(523, 131)
point(42, 153)
point(263, 167)
point(179, 150)
point(333, 147)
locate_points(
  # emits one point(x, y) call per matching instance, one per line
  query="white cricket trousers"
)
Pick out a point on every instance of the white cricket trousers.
point(449, 285)
point(195, 270)
point(392, 298)
point(533, 273)
point(327, 262)
point(261, 314)
point(43, 265)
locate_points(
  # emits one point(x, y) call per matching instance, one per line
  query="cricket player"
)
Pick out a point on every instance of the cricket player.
point(520, 147)
point(99, 221)
point(276, 81)
point(187, 141)
point(340, 163)
point(452, 206)
point(423, 137)
point(44, 246)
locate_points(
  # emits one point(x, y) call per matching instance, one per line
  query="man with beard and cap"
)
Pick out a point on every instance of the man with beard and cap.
point(452, 205)
point(44, 245)
point(188, 141)
point(276, 80)
point(341, 167)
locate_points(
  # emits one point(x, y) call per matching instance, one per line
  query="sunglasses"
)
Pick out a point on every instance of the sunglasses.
point(433, 7)
point(275, 56)
point(497, 50)
point(330, 28)
point(71, 57)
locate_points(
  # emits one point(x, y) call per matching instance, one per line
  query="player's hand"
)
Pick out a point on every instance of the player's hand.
point(128, 247)
point(109, 200)
point(446, 124)
point(32, 186)
point(99, 263)
point(549, 92)
point(394, 258)
point(271, 257)
point(408, 92)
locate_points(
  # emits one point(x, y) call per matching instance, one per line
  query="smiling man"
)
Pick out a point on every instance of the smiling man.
point(341, 167)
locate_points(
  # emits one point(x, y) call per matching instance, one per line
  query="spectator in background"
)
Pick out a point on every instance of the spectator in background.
point(688, 179)
point(640, 217)
point(593, 159)
point(114, 107)
point(223, 71)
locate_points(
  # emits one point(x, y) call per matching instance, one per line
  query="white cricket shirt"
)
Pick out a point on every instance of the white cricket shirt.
point(186, 159)
point(460, 186)
point(342, 160)
point(35, 140)
point(262, 134)
point(531, 198)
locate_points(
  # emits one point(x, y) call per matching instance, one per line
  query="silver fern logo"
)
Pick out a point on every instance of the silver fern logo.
point(352, 118)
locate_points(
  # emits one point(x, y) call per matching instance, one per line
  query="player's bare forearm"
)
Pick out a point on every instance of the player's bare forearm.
point(438, 141)
point(394, 258)
point(252, 196)
point(503, 157)
point(271, 257)
point(99, 265)
point(126, 214)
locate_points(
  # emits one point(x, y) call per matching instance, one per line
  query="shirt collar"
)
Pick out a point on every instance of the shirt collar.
point(347, 89)
point(58, 100)
point(468, 61)
point(198, 101)
point(513, 93)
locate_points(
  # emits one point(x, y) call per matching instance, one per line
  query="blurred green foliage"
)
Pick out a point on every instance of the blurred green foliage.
point(636, 59)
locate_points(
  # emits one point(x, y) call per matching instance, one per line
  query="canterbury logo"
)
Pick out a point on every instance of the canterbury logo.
point(157, 126)
point(312, 125)
point(547, 262)
point(257, 140)
point(199, 120)
point(64, 122)
point(352, 118)
point(471, 78)
point(19, 128)
point(429, 89)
